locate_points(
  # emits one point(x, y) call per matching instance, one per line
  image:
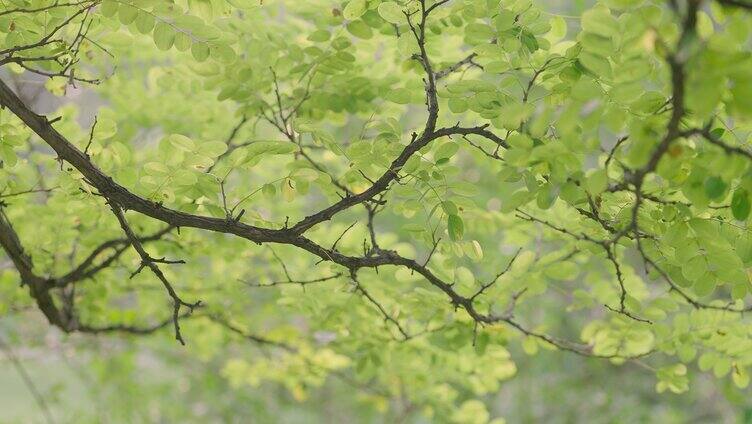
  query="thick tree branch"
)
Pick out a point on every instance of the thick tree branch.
point(38, 286)
point(736, 3)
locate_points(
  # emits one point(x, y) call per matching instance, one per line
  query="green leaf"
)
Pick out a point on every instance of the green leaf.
point(184, 178)
point(457, 105)
point(144, 23)
point(156, 168)
point(546, 196)
point(530, 345)
point(598, 65)
point(109, 8)
point(740, 204)
point(391, 12)
point(695, 268)
point(8, 156)
point(504, 20)
point(223, 53)
point(715, 187)
point(319, 36)
point(562, 271)
point(127, 14)
point(704, 285)
point(446, 150)
point(597, 182)
point(105, 129)
point(449, 207)
point(599, 21)
point(740, 376)
point(182, 41)
point(741, 102)
point(212, 149)
point(475, 251)
point(455, 227)
point(399, 95)
point(200, 51)
point(360, 29)
point(558, 28)
point(354, 9)
point(164, 36)
point(181, 142)
point(269, 190)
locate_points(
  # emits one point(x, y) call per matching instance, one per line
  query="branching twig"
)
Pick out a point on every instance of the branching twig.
point(151, 263)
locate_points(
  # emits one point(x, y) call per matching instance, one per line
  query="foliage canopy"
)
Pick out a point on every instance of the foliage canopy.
point(378, 190)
